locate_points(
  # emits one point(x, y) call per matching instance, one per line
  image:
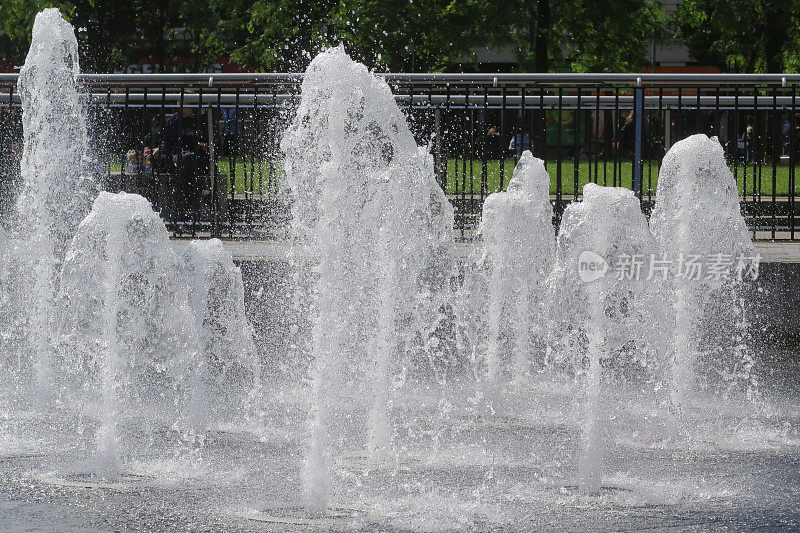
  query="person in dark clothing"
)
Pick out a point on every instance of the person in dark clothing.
point(652, 144)
point(180, 135)
point(231, 128)
point(488, 144)
point(183, 154)
point(627, 136)
point(749, 141)
point(155, 132)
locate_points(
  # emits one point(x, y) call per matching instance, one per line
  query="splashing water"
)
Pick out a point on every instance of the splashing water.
point(367, 203)
point(58, 186)
point(513, 262)
point(110, 366)
point(128, 329)
point(603, 316)
point(7, 304)
point(147, 349)
point(697, 217)
point(232, 370)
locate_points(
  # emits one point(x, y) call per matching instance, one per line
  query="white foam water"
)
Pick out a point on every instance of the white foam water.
point(603, 315)
point(507, 295)
point(7, 305)
point(697, 216)
point(57, 181)
point(128, 333)
point(145, 347)
point(232, 370)
point(366, 201)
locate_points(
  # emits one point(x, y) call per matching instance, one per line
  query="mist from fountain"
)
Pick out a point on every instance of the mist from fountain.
point(367, 203)
point(605, 310)
point(148, 349)
point(231, 369)
point(511, 266)
point(58, 185)
point(128, 335)
point(110, 367)
point(697, 219)
point(6, 305)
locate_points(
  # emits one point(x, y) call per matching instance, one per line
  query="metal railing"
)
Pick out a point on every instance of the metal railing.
point(611, 129)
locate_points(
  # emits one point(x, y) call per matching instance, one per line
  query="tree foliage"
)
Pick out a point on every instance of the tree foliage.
point(741, 35)
point(110, 33)
point(16, 24)
point(596, 40)
point(398, 35)
point(576, 35)
point(416, 35)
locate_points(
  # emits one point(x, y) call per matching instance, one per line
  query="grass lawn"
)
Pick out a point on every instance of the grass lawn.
point(456, 181)
point(249, 177)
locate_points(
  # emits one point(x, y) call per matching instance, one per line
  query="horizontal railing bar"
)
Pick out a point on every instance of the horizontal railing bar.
point(212, 99)
point(593, 78)
point(218, 79)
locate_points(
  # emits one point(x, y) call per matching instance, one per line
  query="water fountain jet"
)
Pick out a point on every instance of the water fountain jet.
point(697, 217)
point(513, 260)
point(58, 184)
point(605, 307)
point(131, 331)
point(127, 328)
point(367, 202)
point(231, 367)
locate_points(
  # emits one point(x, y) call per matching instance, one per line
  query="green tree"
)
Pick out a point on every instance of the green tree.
point(417, 35)
point(741, 35)
point(597, 39)
point(104, 33)
point(577, 35)
point(116, 32)
point(16, 24)
point(286, 34)
point(110, 33)
point(283, 33)
point(398, 35)
point(218, 27)
point(525, 25)
point(410, 36)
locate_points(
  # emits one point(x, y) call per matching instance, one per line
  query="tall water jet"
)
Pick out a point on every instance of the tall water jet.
point(12, 311)
point(129, 333)
point(698, 224)
point(5, 258)
point(110, 366)
point(232, 370)
point(411, 267)
point(605, 308)
point(5, 307)
point(58, 186)
point(366, 204)
point(515, 257)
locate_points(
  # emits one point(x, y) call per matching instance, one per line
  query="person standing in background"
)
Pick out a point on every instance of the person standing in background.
point(520, 139)
point(749, 141)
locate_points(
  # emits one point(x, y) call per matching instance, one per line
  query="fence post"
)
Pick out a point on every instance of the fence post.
point(212, 158)
point(638, 117)
point(437, 148)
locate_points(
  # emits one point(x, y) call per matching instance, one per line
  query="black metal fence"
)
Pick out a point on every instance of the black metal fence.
point(611, 129)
